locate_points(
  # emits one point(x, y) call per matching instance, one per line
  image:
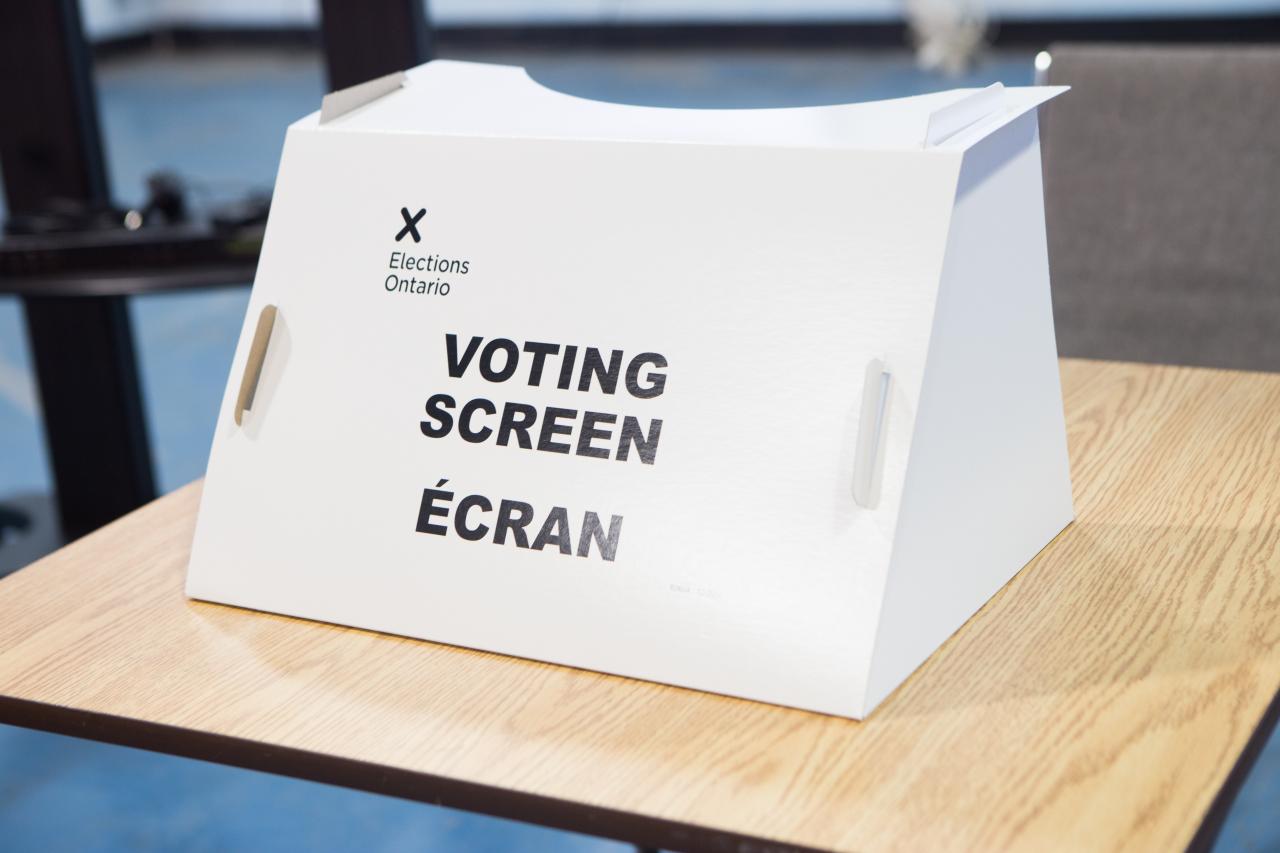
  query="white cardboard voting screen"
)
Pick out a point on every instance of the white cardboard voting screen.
point(760, 402)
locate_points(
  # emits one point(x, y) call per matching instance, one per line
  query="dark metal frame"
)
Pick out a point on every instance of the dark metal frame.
point(1030, 34)
point(82, 346)
point(372, 38)
point(683, 35)
point(74, 285)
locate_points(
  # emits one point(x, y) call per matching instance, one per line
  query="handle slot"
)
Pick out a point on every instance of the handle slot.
point(253, 366)
point(868, 467)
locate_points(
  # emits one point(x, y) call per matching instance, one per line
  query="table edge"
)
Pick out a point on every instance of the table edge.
point(432, 789)
point(631, 827)
point(1211, 822)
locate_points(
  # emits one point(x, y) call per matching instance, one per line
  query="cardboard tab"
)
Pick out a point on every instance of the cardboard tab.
point(946, 122)
point(339, 103)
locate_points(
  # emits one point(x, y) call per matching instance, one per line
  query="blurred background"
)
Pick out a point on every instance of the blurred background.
point(125, 269)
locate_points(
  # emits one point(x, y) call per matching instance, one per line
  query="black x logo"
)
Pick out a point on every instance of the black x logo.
point(411, 224)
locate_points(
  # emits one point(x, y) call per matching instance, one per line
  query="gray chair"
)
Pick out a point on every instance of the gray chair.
point(1162, 195)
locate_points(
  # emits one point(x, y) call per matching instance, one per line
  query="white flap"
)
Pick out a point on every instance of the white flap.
point(477, 99)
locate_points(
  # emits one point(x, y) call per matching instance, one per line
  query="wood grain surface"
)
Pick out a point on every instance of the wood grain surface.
point(1099, 701)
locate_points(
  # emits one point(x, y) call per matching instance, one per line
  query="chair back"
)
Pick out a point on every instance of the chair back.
point(1162, 197)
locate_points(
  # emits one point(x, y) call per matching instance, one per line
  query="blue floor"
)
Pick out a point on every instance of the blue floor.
point(217, 118)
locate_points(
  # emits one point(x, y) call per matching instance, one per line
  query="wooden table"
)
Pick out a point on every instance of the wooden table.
point(1111, 695)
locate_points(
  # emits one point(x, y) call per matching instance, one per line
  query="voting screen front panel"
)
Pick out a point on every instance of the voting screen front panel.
point(587, 403)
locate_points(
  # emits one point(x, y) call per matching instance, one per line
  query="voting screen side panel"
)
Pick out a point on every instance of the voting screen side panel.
point(988, 485)
point(590, 403)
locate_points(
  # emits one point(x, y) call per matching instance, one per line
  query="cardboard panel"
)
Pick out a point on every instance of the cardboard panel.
point(765, 279)
point(988, 484)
